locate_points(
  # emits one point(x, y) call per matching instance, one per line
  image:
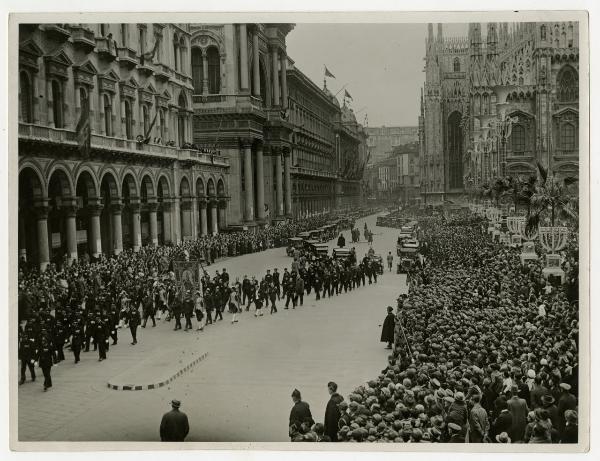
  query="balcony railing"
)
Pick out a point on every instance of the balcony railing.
point(83, 37)
point(126, 146)
point(106, 48)
point(222, 103)
point(162, 72)
point(57, 31)
point(127, 56)
point(310, 172)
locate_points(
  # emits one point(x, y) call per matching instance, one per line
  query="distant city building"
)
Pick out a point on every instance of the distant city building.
point(495, 107)
point(383, 139)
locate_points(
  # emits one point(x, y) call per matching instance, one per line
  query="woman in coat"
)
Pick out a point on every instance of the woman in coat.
point(387, 332)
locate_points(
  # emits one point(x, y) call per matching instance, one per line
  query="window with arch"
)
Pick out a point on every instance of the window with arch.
point(485, 104)
point(456, 65)
point(568, 136)
point(83, 100)
point(568, 88)
point(142, 40)
point(543, 32)
point(197, 70)
point(57, 104)
point(26, 94)
point(517, 137)
point(182, 54)
point(107, 115)
point(128, 120)
point(176, 52)
point(214, 70)
point(103, 30)
point(570, 36)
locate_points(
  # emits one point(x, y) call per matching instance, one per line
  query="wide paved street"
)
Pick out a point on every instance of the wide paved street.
point(241, 391)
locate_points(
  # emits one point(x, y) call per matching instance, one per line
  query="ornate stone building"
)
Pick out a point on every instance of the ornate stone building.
point(193, 131)
point(140, 182)
point(494, 106)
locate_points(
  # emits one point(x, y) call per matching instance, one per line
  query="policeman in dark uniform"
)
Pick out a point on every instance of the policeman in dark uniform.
point(134, 321)
point(188, 310)
point(60, 334)
point(77, 338)
point(99, 335)
point(27, 351)
point(45, 359)
point(277, 283)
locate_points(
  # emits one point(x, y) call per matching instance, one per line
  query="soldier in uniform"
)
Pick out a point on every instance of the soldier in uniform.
point(60, 334)
point(27, 352)
point(277, 283)
point(45, 360)
point(134, 321)
point(99, 334)
point(188, 310)
point(148, 309)
point(77, 338)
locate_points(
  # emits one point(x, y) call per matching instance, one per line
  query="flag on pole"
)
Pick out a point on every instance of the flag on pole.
point(147, 134)
point(328, 73)
point(347, 95)
point(84, 130)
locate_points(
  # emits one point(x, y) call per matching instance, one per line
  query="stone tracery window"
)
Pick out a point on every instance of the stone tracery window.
point(26, 95)
point(568, 136)
point(456, 65)
point(518, 139)
point(567, 85)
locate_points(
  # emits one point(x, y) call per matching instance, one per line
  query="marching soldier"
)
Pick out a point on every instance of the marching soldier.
point(100, 337)
point(77, 339)
point(134, 321)
point(45, 360)
point(27, 352)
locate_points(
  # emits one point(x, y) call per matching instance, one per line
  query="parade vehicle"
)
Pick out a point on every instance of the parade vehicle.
point(320, 249)
point(309, 244)
point(405, 265)
point(341, 253)
point(304, 235)
point(408, 247)
point(317, 234)
point(294, 243)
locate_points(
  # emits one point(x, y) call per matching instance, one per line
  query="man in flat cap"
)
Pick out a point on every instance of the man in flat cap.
point(174, 426)
point(566, 401)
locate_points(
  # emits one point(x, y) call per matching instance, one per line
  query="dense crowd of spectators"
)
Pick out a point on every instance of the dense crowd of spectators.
point(486, 350)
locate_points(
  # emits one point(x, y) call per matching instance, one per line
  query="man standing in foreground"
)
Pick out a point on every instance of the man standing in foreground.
point(174, 426)
point(332, 412)
point(300, 413)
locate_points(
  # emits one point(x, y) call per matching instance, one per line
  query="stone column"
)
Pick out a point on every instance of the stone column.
point(284, 93)
point(194, 218)
point(222, 218)
point(278, 183)
point(203, 218)
point(243, 57)
point(152, 207)
point(260, 184)
point(166, 213)
point(42, 234)
point(248, 180)
point(288, 183)
point(95, 236)
point(116, 209)
point(275, 63)
point(204, 73)
point(186, 225)
point(137, 226)
point(213, 218)
point(255, 64)
point(176, 220)
point(71, 230)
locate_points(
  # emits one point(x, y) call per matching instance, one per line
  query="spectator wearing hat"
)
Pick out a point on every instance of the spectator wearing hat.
point(503, 422)
point(387, 331)
point(332, 412)
point(174, 426)
point(571, 430)
point(478, 421)
point(567, 401)
point(549, 406)
point(457, 411)
point(300, 413)
point(503, 438)
point(455, 433)
point(518, 408)
point(539, 434)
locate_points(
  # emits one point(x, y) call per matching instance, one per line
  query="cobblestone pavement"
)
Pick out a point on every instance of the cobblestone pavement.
point(241, 391)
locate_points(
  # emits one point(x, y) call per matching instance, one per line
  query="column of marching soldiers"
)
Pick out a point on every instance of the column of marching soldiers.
point(93, 319)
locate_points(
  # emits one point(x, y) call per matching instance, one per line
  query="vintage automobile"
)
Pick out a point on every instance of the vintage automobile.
point(320, 249)
point(405, 265)
point(294, 243)
point(341, 253)
point(407, 247)
point(317, 234)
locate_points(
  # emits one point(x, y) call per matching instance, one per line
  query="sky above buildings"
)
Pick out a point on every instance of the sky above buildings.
point(381, 64)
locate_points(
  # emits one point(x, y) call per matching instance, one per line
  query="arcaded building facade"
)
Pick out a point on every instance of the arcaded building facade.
point(495, 104)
